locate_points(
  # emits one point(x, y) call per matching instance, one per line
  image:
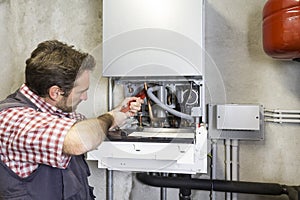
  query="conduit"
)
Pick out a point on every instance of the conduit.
point(231, 164)
point(283, 120)
point(282, 111)
point(218, 185)
point(227, 165)
point(282, 116)
point(234, 163)
point(214, 165)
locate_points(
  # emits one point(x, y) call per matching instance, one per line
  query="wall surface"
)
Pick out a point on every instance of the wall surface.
point(236, 64)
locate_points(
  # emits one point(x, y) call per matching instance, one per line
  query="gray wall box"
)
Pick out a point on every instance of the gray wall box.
point(238, 117)
point(236, 121)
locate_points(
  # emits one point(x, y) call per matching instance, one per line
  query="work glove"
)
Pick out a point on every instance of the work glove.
point(127, 108)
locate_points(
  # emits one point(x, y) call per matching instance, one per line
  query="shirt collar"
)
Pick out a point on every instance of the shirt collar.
point(41, 104)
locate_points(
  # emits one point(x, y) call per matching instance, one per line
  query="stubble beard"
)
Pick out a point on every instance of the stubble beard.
point(62, 104)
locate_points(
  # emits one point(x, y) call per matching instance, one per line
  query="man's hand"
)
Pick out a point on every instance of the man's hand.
point(133, 104)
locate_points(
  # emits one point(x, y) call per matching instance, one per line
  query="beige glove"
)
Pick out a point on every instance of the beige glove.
point(120, 116)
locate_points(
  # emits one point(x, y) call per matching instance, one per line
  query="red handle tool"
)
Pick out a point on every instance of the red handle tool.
point(141, 94)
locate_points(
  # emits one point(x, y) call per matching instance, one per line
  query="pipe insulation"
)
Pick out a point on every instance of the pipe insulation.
point(166, 107)
point(215, 185)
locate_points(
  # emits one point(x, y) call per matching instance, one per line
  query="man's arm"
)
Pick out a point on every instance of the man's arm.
point(86, 135)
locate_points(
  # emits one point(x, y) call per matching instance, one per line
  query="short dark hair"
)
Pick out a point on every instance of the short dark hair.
point(55, 63)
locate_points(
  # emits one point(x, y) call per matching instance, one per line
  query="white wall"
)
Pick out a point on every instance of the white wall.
point(234, 43)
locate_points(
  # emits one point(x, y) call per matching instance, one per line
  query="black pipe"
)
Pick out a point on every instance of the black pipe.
point(185, 194)
point(215, 185)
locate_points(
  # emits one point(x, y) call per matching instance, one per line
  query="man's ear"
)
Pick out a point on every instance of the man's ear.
point(54, 93)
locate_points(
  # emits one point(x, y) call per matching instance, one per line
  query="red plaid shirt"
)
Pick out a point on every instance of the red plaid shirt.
point(29, 137)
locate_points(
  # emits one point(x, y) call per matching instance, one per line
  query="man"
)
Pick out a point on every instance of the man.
point(42, 138)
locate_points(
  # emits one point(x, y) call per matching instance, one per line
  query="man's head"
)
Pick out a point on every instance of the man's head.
point(59, 73)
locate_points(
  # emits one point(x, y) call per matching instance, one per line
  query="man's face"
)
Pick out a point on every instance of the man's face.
point(78, 93)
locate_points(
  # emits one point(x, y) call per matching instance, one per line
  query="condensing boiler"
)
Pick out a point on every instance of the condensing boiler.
point(155, 49)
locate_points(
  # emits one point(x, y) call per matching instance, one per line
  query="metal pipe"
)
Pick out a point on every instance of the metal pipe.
point(215, 185)
point(203, 106)
point(214, 165)
point(163, 190)
point(110, 94)
point(163, 193)
point(228, 164)
point(234, 164)
point(109, 173)
point(185, 194)
point(234, 161)
point(161, 113)
point(109, 185)
point(149, 104)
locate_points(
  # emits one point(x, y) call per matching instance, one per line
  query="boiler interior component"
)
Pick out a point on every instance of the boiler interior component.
point(168, 136)
point(281, 29)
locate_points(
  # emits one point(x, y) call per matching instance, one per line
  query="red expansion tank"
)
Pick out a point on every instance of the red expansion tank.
point(281, 29)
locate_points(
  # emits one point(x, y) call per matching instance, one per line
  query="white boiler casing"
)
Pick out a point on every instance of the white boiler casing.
point(152, 38)
point(160, 43)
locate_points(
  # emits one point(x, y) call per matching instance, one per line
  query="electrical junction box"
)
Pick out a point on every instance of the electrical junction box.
point(238, 117)
point(236, 121)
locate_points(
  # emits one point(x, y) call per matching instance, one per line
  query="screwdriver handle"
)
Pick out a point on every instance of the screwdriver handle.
point(141, 94)
point(127, 108)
